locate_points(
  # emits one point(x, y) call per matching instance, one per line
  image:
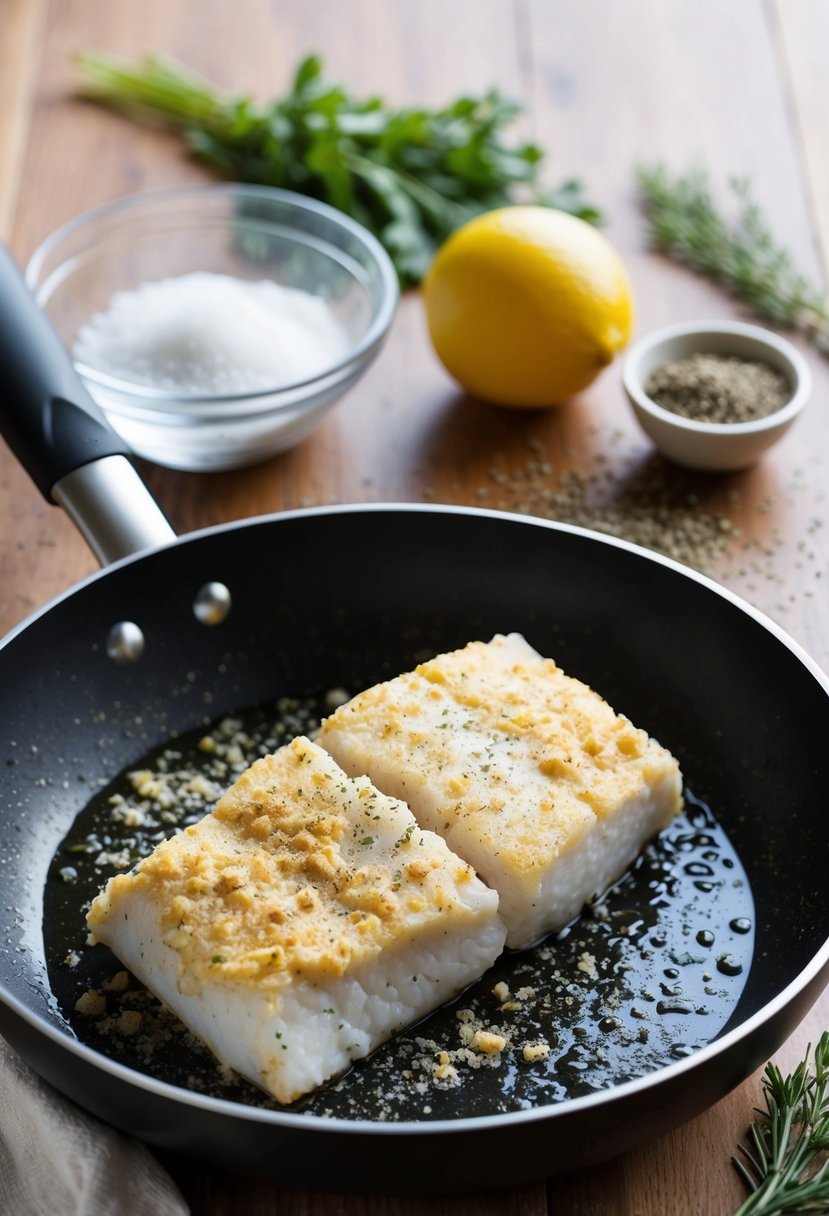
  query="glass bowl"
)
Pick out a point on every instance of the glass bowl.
point(252, 233)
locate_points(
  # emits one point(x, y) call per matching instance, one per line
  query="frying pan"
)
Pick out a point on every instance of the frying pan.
point(350, 595)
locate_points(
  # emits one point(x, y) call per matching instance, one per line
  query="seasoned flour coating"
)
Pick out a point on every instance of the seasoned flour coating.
point(525, 772)
point(302, 922)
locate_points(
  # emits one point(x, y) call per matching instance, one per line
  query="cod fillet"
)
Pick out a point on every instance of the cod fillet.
point(525, 772)
point(302, 922)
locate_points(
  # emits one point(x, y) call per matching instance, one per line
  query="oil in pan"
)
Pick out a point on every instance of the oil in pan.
point(649, 973)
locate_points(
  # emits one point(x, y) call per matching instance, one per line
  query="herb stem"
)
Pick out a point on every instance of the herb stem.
point(160, 87)
point(739, 252)
point(412, 176)
point(428, 199)
point(784, 1172)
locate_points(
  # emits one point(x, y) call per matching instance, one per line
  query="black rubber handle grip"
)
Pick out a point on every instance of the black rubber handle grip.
point(47, 417)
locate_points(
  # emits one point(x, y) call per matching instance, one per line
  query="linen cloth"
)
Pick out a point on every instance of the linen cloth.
point(55, 1160)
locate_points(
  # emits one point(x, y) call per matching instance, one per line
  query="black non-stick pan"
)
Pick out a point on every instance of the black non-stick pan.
point(664, 995)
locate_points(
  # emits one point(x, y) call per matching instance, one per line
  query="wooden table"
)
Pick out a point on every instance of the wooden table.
point(740, 87)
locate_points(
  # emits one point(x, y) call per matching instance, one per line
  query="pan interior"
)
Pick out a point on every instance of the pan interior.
point(651, 973)
point(351, 596)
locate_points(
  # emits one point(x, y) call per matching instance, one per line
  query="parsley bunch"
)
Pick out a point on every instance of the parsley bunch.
point(411, 176)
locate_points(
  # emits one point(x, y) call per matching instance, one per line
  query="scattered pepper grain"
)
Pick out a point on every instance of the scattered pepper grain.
point(654, 505)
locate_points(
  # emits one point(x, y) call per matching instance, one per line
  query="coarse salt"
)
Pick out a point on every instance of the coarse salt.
point(212, 335)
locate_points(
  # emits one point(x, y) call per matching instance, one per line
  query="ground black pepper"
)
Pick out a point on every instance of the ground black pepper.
point(718, 388)
point(652, 505)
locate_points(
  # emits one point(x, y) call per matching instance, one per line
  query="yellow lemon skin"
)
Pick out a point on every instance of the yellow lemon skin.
point(526, 305)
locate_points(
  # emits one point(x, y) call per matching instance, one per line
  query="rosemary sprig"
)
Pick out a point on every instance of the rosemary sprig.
point(785, 1164)
point(741, 253)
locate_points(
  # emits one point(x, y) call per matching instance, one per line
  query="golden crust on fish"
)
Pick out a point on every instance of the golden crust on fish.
point(304, 897)
point(526, 772)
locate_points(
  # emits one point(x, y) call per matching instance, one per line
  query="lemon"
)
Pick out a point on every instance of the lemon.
point(525, 305)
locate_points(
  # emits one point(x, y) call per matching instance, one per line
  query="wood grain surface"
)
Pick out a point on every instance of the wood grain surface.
point(738, 87)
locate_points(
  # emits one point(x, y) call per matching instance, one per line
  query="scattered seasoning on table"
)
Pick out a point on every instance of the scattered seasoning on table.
point(718, 388)
point(655, 506)
point(652, 503)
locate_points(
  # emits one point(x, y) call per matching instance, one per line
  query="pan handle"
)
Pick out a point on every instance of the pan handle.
point(62, 438)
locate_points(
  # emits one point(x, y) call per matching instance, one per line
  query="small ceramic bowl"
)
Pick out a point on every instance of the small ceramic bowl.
point(247, 232)
point(714, 446)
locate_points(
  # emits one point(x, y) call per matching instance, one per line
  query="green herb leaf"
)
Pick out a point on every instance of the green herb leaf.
point(412, 176)
point(785, 1166)
point(740, 252)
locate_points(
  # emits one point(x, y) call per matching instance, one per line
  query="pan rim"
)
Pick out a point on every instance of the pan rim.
point(359, 1127)
point(415, 508)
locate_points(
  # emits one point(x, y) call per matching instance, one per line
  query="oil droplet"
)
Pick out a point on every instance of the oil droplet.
point(674, 1006)
point(741, 925)
point(706, 938)
point(729, 965)
point(704, 886)
point(672, 973)
point(680, 1050)
point(698, 868)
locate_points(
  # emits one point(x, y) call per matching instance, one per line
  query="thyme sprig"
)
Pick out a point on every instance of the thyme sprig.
point(739, 252)
point(785, 1163)
point(412, 175)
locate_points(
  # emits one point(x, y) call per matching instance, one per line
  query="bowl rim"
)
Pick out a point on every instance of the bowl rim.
point(801, 377)
point(124, 204)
